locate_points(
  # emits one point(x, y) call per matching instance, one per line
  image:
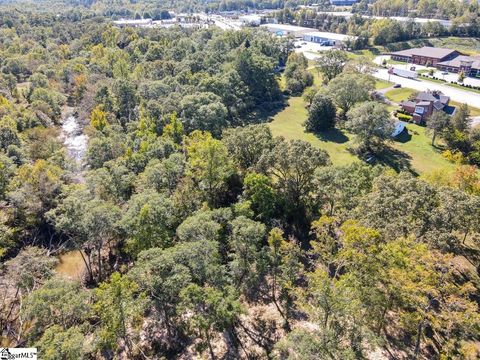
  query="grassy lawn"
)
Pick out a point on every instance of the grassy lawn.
point(473, 111)
point(412, 150)
point(288, 123)
point(423, 157)
point(463, 88)
point(382, 84)
point(399, 94)
point(395, 62)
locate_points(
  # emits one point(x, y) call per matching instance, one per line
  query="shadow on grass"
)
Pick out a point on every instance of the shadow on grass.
point(265, 112)
point(333, 135)
point(396, 159)
point(403, 137)
point(373, 50)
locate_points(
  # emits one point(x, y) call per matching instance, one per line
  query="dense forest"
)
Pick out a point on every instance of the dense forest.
point(199, 234)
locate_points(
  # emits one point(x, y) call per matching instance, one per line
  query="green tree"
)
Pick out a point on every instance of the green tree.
point(119, 306)
point(62, 344)
point(259, 190)
point(209, 310)
point(461, 118)
point(245, 241)
point(208, 163)
point(371, 123)
point(321, 114)
point(34, 190)
point(147, 222)
point(348, 89)
point(437, 123)
point(58, 302)
point(331, 64)
point(247, 144)
point(284, 269)
point(126, 100)
point(174, 129)
point(296, 74)
point(205, 112)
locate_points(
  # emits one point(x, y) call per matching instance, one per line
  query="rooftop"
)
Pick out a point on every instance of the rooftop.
point(432, 97)
point(427, 51)
point(286, 27)
point(329, 35)
point(456, 62)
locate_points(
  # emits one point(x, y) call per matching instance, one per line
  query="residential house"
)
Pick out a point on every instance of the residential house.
point(424, 105)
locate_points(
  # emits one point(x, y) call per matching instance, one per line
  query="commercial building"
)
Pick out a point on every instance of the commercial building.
point(443, 59)
point(428, 56)
point(287, 30)
point(343, 2)
point(470, 65)
point(250, 20)
point(327, 38)
point(133, 22)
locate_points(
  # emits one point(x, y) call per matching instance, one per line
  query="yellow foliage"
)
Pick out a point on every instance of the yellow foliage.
point(98, 118)
point(454, 156)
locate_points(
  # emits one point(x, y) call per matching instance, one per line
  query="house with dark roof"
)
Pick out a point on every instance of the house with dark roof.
point(425, 104)
point(427, 55)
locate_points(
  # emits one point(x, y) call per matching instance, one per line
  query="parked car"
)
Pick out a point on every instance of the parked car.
point(445, 73)
point(304, 43)
point(396, 86)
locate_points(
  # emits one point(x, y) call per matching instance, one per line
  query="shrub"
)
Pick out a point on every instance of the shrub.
point(404, 117)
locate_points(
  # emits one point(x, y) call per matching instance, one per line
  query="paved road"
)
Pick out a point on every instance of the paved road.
point(475, 121)
point(462, 96)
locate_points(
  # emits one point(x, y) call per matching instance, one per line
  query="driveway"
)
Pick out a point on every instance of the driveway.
point(462, 96)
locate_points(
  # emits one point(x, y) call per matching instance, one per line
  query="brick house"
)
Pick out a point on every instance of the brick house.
point(425, 103)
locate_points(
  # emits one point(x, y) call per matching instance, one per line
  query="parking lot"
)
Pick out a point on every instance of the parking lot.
point(309, 49)
point(449, 77)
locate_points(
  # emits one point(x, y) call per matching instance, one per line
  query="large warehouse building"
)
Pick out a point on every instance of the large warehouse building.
point(286, 30)
point(327, 38)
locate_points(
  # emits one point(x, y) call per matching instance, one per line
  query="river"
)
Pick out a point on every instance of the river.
point(75, 140)
point(71, 263)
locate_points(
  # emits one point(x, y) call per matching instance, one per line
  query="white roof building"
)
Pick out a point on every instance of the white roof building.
point(285, 29)
point(320, 36)
point(133, 23)
point(252, 20)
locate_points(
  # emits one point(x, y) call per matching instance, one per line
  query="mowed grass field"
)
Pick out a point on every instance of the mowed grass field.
point(289, 124)
point(399, 94)
point(413, 148)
